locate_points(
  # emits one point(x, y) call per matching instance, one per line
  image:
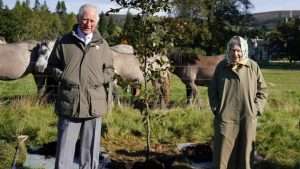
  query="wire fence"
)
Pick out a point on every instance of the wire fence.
point(27, 87)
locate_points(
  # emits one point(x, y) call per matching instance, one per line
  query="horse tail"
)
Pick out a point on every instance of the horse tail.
point(166, 87)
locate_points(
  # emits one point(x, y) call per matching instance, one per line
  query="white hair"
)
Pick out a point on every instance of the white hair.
point(85, 7)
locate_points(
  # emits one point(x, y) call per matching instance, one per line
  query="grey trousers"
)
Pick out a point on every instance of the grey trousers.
point(89, 132)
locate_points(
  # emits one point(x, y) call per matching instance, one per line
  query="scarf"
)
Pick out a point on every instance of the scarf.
point(244, 46)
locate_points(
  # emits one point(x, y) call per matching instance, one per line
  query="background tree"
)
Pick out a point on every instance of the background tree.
point(102, 26)
point(1, 4)
point(23, 23)
point(58, 7)
point(128, 29)
point(27, 2)
point(37, 6)
point(276, 44)
point(69, 22)
point(217, 21)
point(291, 35)
point(111, 27)
point(44, 7)
point(19, 21)
point(63, 8)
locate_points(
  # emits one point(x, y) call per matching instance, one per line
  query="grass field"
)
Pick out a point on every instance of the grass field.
point(278, 132)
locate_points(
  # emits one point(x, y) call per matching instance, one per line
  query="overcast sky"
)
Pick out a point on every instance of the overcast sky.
point(105, 5)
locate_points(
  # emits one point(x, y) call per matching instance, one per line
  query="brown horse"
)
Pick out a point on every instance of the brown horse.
point(193, 70)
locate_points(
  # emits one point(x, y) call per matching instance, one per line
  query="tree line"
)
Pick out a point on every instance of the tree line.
point(197, 26)
point(23, 22)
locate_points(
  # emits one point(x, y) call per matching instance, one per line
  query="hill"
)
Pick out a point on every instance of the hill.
point(267, 20)
point(276, 14)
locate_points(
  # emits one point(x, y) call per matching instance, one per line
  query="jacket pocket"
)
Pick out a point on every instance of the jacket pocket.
point(97, 101)
point(67, 101)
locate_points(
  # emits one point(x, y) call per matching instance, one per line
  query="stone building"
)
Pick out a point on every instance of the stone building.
point(258, 49)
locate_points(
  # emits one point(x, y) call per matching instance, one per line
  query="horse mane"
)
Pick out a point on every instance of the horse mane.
point(183, 58)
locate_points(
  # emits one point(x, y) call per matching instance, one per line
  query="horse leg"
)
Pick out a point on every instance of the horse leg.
point(51, 89)
point(136, 90)
point(109, 90)
point(115, 93)
point(40, 81)
point(159, 91)
point(196, 94)
point(189, 93)
point(165, 88)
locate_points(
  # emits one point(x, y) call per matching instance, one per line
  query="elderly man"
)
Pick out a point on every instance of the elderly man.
point(82, 62)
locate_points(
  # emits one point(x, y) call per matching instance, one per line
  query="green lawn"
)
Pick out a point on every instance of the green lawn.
point(278, 131)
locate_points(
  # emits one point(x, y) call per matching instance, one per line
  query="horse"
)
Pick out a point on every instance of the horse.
point(17, 60)
point(48, 85)
point(193, 70)
point(128, 71)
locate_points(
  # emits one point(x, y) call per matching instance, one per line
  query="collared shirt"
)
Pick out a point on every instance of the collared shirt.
point(86, 39)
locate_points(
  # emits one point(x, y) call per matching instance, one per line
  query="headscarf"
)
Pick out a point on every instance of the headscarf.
point(237, 40)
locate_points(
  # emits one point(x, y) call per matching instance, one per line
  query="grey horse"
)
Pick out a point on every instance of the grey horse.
point(127, 68)
point(19, 59)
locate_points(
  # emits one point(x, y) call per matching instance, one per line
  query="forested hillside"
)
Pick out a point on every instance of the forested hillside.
point(269, 20)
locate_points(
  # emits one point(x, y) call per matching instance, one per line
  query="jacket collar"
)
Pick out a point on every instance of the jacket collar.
point(245, 62)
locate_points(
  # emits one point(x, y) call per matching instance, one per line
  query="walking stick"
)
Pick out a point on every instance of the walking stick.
point(21, 140)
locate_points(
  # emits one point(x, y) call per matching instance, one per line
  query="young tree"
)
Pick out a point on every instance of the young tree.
point(150, 37)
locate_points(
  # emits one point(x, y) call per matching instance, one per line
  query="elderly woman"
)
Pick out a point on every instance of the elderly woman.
point(237, 95)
